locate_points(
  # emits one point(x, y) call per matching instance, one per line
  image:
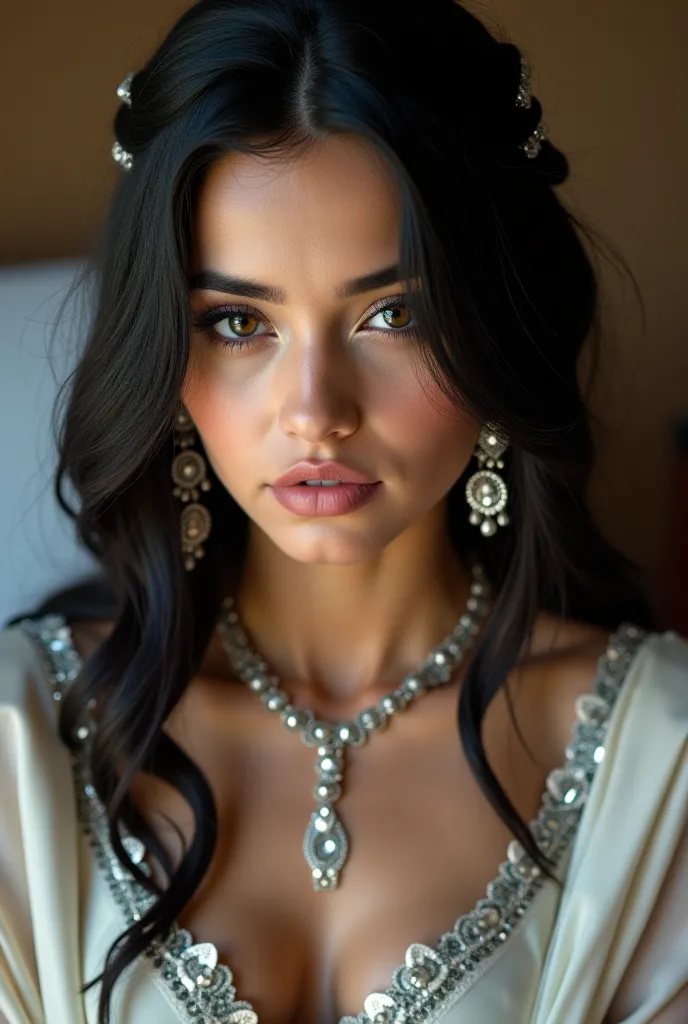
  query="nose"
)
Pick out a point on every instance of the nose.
point(317, 390)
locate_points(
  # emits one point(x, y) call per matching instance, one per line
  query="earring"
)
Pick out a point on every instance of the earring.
point(189, 475)
point(486, 491)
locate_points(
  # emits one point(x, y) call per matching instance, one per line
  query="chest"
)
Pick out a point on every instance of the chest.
point(423, 845)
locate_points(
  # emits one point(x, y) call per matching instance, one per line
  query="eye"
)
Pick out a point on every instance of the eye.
point(243, 322)
point(391, 311)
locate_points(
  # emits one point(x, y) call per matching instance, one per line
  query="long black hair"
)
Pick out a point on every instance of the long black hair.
point(509, 299)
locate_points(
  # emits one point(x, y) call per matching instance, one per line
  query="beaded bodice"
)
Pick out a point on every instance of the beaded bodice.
point(431, 977)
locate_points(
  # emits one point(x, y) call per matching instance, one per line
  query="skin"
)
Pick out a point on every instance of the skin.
point(342, 607)
point(375, 586)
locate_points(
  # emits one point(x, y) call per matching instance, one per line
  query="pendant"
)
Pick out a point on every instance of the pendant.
point(325, 843)
point(325, 847)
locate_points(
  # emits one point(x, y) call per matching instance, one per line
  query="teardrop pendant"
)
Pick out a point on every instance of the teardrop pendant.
point(325, 847)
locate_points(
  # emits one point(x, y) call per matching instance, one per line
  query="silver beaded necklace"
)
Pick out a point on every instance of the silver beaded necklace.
point(325, 843)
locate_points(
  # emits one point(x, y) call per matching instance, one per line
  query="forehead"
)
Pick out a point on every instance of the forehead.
point(333, 208)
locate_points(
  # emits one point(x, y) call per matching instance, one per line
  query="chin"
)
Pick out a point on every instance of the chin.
point(323, 545)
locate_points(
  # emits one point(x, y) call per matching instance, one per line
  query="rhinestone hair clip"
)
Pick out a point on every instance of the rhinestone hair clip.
point(119, 153)
point(531, 147)
point(533, 144)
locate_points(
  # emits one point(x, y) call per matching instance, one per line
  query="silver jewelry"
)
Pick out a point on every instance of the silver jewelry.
point(124, 88)
point(122, 157)
point(325, 843)
point(486, 491)
point(189, 475)
point(119, 153)
point(533, 144)
point(531, 147)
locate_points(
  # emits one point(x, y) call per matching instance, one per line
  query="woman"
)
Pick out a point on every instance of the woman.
point(334, 271)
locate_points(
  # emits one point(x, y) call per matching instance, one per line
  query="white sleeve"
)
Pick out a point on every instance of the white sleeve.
point(20, 999)
point(654, 988)
point(40, 970)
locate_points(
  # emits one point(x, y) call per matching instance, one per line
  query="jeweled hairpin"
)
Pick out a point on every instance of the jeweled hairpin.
point(119, 153)
point(122, 157)
point(523, 99)
point(531, 147)
point(124, 88)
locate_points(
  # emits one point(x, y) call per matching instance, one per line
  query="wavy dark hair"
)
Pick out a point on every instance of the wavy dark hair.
point(509, 300)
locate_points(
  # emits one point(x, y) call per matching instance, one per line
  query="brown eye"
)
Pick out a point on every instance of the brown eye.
point(239, 321)
point(394, 314)
point(394, 318)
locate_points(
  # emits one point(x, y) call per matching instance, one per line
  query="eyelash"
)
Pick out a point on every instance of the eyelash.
point(205, 320)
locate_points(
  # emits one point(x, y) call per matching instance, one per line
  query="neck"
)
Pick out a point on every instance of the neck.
point(339, 636)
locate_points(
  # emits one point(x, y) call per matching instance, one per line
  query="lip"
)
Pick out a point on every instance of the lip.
point(309, 469)
point(325, 501)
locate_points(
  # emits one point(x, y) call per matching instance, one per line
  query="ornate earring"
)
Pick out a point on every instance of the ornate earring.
point(189, 475)
point(486, 492)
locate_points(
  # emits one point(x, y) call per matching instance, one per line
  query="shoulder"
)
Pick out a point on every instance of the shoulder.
point(21, 673)
point(39, 657)
point(566, 659)
point(37, 661)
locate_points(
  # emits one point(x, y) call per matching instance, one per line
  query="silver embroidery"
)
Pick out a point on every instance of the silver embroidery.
point(430, 978)
point(202, 988)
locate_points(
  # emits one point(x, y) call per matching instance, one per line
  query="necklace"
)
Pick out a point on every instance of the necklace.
point(325, 843)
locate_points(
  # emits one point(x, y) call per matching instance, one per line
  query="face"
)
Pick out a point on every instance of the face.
point(308, 369)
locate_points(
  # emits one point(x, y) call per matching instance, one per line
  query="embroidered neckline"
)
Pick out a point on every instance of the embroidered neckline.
point(431, 978)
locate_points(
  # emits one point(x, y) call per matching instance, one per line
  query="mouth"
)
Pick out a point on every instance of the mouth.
point(324, 473)
point(325, 497)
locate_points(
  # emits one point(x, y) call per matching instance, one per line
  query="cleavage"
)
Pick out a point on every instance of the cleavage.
point(424, 843)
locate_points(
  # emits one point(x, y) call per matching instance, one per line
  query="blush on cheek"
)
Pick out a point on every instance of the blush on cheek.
point(431, 420)
point(202, 395)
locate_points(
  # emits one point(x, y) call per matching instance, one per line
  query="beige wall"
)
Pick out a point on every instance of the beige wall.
point(612, 78)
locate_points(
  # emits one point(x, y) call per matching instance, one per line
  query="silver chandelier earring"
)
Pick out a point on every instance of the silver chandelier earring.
point(486, 491)
point(189, 473)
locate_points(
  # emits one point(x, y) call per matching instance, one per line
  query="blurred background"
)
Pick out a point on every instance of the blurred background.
point(613, 80)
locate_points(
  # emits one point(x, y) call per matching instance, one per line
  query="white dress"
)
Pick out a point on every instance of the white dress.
point(612, 817)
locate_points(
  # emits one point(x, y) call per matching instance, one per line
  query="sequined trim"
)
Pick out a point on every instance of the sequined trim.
point(430, 978)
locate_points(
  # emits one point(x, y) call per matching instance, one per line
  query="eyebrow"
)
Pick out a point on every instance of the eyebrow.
point(216, 281)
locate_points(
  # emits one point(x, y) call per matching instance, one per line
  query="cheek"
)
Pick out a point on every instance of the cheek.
point(222, 420)
point(421, 422)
